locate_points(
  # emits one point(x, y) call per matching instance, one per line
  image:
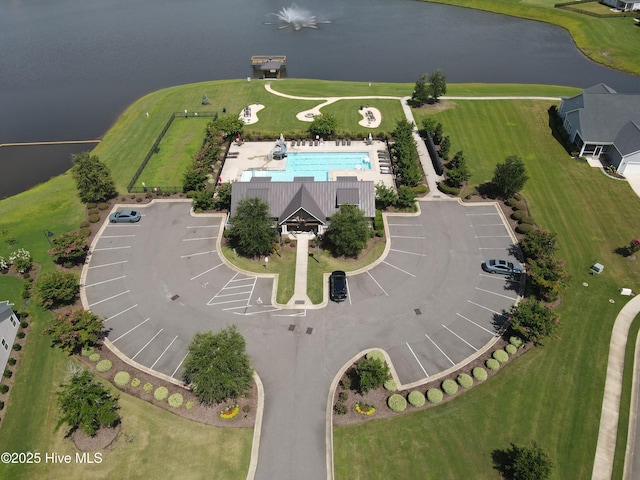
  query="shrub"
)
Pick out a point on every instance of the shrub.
point(246, 409)
point(512, 202)
point(11, 361)
point(420, 189)
point(524, 228)
point(372, 373)
point(4, 388)
point(102, 206)
point(175, 400)
point(449, 386)
point(57, 288)
point(93, 211)
point(390, 385)
point(91, 205)
point(94, 357)
point(444, 188)
point(365, 408)
point(376, 354)
point(21, 260)
point(7, 373)
point(527, 221)
point(20, 334)
point(122, 378)
point(84, 224)
point(346, 383)
point(492, 364)
point(161, 393)
point(434, 395)
point(189, 405)
point(340, 409)
point(480, 374)
point(229, 412)
point(24, 324)
point(104, 365)
point(397, 403)
point(501, 356)
point(518, 215)
point(516, 341)
point(17, 347)
point(85, 232)
point(135, 383)
point(416, 398)
point(1, 405)
point(343, 396)
point(94, 218)
point(69, 248)
point(465, 380)
point(148, 388)
point(86, 351)
point(511, 349)
point(75, 329)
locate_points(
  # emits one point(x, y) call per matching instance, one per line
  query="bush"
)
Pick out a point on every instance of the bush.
point(501, 356)
point(93, 211)
point(21, 260)
point(102, 206)
point(189, 405)
point(375, 354)
point(444, 188)
point(135, 383)
point(91, 205)
point(397, 403)
point(17, 347)
point(340, 409)
point(372, 373)
point(450, 387)
point(1, 405)
point(7, 373)
point(420, 189)
point(122, 378)
point(84, 224)
point(94, 218)
point(518, 215)
point(69, 248)
point(57, 288)
point(104, 365)
point(492, 364)
point(390, 385)
point(74, 330)
point(434, 395)
point(527, 221)
point(175, 400)
point(4, 388)
point(464, 380)
point(343, 396)
point(161, 393)
point(524, 228)
point(85, 232)
point(148, 388)
point(511, 349)
point(86, 351)
point(346, 383)
point(11, 361)
point(94, 357)
point(24, 324)
point(20, 334)
point(416, 398)
point(480, 374)
point(516, 341)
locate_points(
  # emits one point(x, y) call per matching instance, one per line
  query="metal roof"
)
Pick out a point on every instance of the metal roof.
point(347, 196)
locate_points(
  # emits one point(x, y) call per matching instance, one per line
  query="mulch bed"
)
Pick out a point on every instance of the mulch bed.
point(378, 397)
point(101, 440)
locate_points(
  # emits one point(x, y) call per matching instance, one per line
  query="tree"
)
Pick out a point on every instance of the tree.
point(537, 244)
point(86, 404)
point(93, 178)
point(217, 365)
point(406, 197)
point(229, 126)
point(420, 94)
point(349, 231)
point(75, 329)
point(457, 171)
point(528, 463)
point(70, 248)
point(56, 288)
point(372, 372)
point(509, 177)
point(385, 196)
point(323, 126)
point(429, 125)
point(532, 320)
point(445, 146)
point(437, 134)
point(222, 197)
point(547, 277)
point(205, 99)
point(252, 228)
point(437, 85)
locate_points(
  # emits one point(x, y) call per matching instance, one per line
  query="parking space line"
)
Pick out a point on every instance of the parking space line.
point(346, 281)
point(231, 294)
point(493, 236)
point(481, 306)
point(491, 248)
point(488, 275)
point(165, 351)
point(206, 271)
point(303, 313)
point(116, 236)
point(479, 214)
point(494, 293)
point(376, 282)
point(398, 268)
point(110, 248)
point(236, 286)
point(109, 298)
point(131, 330)
point(441, 351)
point(415, 356)
point(454, 333)
point(222, 303)
point(105, 281)
point(488, 225)
point(146, 344)
point(180, 364)
point(404, 224)
point(477, 325)
point(199, 238)
point(203, 226)
point(124, 311)
point(120, 225)
point(108, 264)
point(408, 253)
point(199, 253)
point(402, 236)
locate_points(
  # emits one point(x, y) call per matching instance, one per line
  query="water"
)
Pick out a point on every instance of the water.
point(70, 67)
point(315, 164)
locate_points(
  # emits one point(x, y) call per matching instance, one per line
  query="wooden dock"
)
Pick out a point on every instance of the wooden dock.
point(258, 60)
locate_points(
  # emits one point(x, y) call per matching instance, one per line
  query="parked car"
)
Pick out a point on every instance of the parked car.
point(338, 286)
point(128, 216)
point(501, 266)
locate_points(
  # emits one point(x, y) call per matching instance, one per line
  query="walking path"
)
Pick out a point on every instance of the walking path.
point(302, 257)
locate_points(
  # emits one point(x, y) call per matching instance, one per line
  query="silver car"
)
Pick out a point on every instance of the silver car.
point(501, 266)
point(128, 216)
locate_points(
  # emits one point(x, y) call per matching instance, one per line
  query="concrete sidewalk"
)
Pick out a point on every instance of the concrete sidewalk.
point(300, 297)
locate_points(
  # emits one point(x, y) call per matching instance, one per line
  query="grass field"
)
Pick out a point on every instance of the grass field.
point(553, 394)
point(614, 42)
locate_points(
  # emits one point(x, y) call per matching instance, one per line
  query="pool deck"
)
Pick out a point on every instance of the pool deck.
point(255, 155)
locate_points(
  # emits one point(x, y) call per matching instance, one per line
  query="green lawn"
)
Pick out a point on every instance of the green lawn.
point(554, 393)
point(613, 42)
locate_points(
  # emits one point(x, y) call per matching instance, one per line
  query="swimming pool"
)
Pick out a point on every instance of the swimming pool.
point(313, 164)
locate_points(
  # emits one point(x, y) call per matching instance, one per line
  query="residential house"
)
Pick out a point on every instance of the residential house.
point(623, 5)
point(8, 328)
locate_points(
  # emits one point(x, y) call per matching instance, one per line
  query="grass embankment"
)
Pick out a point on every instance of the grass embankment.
point(554, 393)
point(613, 42)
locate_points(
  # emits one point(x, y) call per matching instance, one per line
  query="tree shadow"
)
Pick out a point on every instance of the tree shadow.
point(502, 461)
point(487, 190)
point(623, 251)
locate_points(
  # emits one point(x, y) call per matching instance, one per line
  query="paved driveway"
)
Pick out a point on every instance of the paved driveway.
point(428, 304)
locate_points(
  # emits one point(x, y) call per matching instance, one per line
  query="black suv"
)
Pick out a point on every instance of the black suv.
point(338, 286)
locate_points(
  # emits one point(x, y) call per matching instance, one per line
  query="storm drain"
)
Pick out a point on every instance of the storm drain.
point(418, 311)
point(175, 297)
point(292, 327)
point(309, 330)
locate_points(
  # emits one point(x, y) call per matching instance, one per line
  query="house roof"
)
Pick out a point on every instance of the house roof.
point(319, 199)
point(599, 113)
point(5, 310)
point(628, 140)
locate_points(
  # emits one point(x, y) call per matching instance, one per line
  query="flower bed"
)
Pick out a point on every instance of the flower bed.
point(364, 408)
point(230, 412)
